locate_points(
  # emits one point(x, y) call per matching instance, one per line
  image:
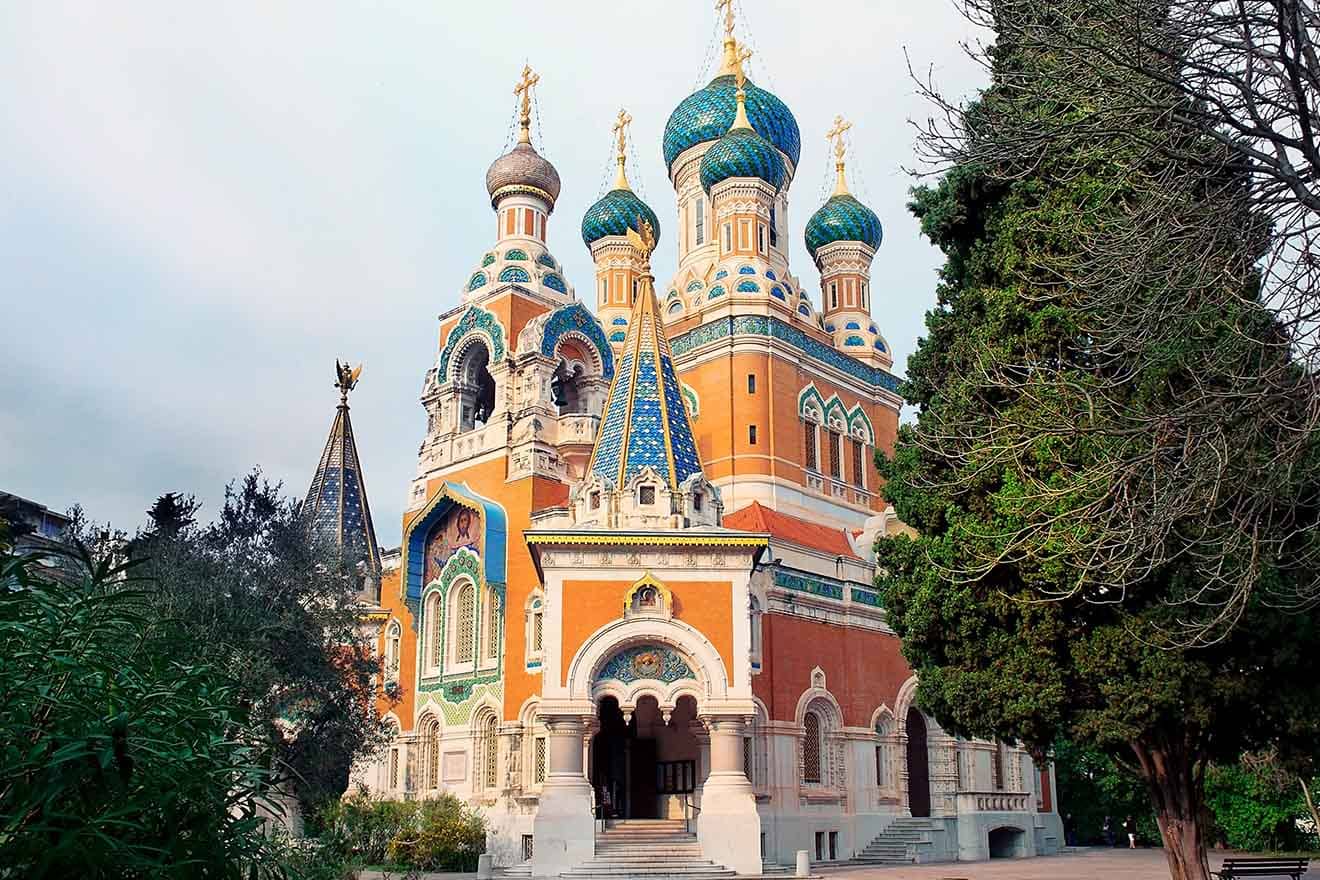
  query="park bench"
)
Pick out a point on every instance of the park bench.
point(1235, 868)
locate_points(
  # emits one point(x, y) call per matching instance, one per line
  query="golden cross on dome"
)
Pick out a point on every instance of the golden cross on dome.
point(740, 55)
point(835, 134)
point(524, 91)
point(621, 129)
point(726, 7)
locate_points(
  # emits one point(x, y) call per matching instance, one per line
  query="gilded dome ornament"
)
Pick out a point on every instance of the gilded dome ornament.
point(619, 211)
point(522, 169)
point(842, 217)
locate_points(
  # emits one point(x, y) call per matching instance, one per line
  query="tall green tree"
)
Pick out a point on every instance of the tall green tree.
point(259, 596)
point(1042, 445)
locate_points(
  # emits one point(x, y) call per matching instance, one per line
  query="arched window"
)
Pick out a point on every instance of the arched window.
point(491, 631)
point(836, 454)
point(535, 627)
point(431, 619)
point(393, 642)
point(754, 621)
point(859, 464)
point(462, 626)
point(884, 752)
point(430, 763)
point(475, 386)
point(809, 445)
point(488, 751)
point(811, 749)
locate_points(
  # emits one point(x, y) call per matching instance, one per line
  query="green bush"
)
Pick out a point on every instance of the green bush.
point(1257, 811)
point(446, 836)
point(438, 834)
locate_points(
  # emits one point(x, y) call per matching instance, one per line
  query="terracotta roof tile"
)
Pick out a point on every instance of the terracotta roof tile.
point(758, 518)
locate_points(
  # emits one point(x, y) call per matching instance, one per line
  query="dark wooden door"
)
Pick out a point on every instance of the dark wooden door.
point(918, 761)
point(641, 779)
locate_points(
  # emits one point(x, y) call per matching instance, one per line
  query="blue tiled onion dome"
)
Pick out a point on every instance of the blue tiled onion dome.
point(614, 214)
point(742, 153)
point(706, 115)
point(843, 218)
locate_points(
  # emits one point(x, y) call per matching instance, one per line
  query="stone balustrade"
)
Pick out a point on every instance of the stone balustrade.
point(993, 802)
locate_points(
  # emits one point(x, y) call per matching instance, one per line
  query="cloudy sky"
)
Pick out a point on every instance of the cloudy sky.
point(202, 205)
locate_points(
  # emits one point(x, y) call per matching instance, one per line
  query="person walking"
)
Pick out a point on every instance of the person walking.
point(1069, 830)
point(1130, 828)
point(1108, 830)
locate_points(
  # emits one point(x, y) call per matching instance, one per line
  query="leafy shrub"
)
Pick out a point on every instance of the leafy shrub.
point(122, 755)
point(1257, 812)
point(436, 834)
point(445, 836)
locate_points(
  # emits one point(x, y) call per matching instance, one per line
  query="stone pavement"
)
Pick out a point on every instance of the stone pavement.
point(1084, 864)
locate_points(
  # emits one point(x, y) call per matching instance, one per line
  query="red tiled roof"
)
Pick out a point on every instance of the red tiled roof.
point(757, 518)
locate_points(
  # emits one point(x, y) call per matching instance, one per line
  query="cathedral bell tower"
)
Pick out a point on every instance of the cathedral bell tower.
point(619, 263)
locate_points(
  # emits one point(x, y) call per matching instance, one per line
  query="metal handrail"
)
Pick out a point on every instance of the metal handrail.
point(688, 806)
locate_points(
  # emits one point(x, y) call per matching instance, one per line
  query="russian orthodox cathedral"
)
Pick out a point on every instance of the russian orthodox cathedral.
point(632, 618)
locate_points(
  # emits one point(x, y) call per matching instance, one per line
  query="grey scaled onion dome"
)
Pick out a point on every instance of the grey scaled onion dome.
point(522, 169)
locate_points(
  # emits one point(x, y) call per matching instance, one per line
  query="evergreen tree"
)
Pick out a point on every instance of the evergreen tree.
point(1040, 445)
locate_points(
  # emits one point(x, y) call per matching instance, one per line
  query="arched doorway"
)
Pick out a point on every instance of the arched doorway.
point(642, 767)
point(918, 762)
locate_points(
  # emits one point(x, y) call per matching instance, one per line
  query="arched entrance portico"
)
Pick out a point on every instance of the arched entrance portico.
point(644, 762)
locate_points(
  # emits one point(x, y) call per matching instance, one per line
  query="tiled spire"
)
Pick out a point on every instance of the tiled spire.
point(336, 504)
point(646, 422)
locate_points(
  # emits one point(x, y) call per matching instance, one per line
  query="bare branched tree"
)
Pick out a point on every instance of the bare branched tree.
point(1212, 253)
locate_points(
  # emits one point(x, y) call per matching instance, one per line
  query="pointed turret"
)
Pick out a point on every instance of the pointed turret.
point(646, 422)
point(336, 503)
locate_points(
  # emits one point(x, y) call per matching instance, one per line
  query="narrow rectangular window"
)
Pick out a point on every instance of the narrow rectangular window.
point(604, 291)
point(687, 215)
point(834, 845)
point(859, 467)
point(747, 757)
point(848, 291)
point(751, 434)
point(809, 446)
point(820, 846)
point(701, 221)
point(751, 383)
point(864, 295)
point(774, 228)
point(760, 238)
point(744, 235)
point(510, 222)
point(492, 626)
point(728, 238)
point(834, 295)
point(538, 631)
point(538, 761)
point(528, 220)
point(394, 769)
point(835, 469)
point(541, 217)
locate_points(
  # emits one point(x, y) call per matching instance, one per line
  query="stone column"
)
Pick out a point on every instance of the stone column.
point(565, 832)
point(729, 827)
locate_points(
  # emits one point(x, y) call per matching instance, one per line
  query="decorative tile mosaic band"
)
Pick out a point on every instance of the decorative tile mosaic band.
point(762, 325)
point(647, 662)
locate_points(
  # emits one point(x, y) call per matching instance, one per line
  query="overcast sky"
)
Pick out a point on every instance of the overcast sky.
point(202, 205)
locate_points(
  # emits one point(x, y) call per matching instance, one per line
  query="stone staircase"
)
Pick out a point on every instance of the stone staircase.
point(904, 842)
point(648, 848)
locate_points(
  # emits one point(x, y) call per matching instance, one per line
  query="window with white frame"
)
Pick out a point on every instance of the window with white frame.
point(538, 760)
point(430, 742)
point(462, 624)
point(491, 630)
point(535, 627)
point(811, 748)
point(754, 622)
point(884, 753)
point(488, 751)
point(701, 221)
point(432, 621)
point(835, 451)
point(393, 643)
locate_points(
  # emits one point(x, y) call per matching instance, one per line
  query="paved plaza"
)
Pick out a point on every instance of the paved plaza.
point(1086, 864)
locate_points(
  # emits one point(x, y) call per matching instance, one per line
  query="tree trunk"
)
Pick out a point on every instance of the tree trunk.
point(1310, 802)
point(1176, 784)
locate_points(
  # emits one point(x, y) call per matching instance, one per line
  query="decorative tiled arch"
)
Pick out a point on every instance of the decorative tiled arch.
point(811, 405)
point(748, 287)
point(575, 319)
point(555, 282)
point(514, 274)
point(475, 320)
point(859, 424)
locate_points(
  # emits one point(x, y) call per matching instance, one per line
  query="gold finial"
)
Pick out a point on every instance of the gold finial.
point(730, 62)
point(835, 134)
point(524, 91)
point(621, 129)
point(347, 379)
point(739, 56)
